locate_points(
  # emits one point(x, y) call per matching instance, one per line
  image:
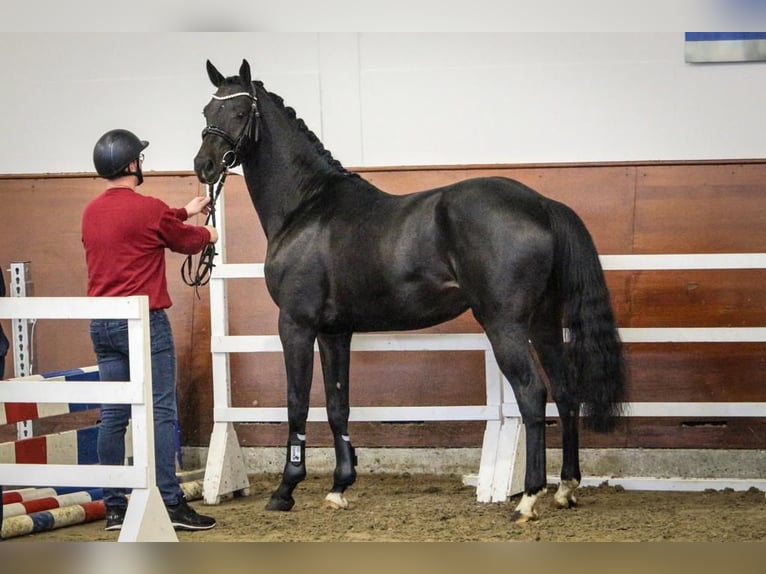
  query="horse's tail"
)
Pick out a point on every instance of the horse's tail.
point(594, 350)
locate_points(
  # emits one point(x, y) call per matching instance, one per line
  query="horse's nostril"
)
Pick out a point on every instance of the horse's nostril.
point(205, 169)
point(211, 174)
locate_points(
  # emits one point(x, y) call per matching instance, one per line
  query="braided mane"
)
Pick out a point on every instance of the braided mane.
point(312, 137)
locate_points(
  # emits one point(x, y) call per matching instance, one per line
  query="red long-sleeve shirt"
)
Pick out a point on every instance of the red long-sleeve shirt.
point(125, 235)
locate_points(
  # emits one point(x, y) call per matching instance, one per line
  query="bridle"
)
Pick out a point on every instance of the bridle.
point(250, 131)
point(230, 159)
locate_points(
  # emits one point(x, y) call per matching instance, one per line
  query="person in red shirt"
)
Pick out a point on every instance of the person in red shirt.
point(125, 235)
point(3, 351)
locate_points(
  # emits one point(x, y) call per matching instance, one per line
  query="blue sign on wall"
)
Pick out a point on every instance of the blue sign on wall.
point(702, 47)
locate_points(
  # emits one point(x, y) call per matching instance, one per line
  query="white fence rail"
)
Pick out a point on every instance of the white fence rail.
point(145, 519)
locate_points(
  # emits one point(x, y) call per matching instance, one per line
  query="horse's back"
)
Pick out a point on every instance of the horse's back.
point(499, 193)
point(479, 203)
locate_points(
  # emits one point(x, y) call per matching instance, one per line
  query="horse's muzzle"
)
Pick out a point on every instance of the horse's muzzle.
point(207, 170)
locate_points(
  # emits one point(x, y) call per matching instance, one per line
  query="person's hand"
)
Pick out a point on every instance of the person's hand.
point(213, 233)
point(198, 205)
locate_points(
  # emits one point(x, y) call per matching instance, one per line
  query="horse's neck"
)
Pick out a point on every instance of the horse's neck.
point(272, 198)
point(285, 168)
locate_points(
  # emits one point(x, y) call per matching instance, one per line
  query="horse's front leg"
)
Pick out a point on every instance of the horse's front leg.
point(298, 346)
point(335, 354)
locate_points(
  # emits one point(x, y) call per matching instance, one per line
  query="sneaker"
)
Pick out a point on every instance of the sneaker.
point(184, 517)
point(115, 516)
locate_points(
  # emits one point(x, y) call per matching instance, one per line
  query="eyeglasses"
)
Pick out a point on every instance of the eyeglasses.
point(140, 157)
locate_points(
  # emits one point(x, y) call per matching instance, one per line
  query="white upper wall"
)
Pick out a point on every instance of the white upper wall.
point(378, 99)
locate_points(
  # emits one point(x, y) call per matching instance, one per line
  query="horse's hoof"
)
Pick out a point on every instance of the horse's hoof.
point(335, 501)
point(520, 518)
point(281, 504)
point(564, 504)
point(525, 511)
point(564, 497)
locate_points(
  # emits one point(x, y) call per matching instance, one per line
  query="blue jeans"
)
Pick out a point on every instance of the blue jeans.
point(110, 342)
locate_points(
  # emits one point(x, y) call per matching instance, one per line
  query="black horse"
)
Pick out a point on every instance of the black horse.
point(345, 257)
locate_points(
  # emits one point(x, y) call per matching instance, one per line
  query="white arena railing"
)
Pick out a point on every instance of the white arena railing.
point(146, 518)
point(501, 466)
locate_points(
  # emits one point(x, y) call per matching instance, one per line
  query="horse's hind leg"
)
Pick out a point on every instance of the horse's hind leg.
point(335, 354)
point(547, 339)
point(511, 347)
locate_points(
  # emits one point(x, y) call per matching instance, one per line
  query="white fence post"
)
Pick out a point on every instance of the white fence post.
point(225, 470)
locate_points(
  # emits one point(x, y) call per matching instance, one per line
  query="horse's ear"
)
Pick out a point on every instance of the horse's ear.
point(244, 72)
point(215, 76)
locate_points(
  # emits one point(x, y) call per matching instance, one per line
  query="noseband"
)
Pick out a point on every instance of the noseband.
point(249, 131)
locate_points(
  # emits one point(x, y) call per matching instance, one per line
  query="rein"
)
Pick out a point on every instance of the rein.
point(205, 264)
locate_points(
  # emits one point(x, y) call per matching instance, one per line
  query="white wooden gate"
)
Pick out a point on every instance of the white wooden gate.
point(146, 518)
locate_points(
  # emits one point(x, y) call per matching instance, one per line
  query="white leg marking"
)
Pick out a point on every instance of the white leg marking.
point(335, 501)
point(564, 497)
point(525, 511)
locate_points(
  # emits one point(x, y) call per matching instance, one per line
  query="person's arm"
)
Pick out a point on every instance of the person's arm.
point(197, 205)
point(183, 238)
point(201, 204)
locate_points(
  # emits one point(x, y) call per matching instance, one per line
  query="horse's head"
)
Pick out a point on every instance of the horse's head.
point(232, 123)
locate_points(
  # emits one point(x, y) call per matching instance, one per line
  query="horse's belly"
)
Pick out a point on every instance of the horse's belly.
point(407, 310)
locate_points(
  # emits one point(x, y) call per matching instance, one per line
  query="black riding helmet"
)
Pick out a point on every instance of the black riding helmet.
point(115, 150)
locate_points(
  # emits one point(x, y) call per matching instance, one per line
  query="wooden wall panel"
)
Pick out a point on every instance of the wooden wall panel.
point(455, 434)
point(695, 433)
point(692, 372)
point(697, 298)
point(42, 225)
point(700, 209)
point(377, 379)
point(631, 208)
